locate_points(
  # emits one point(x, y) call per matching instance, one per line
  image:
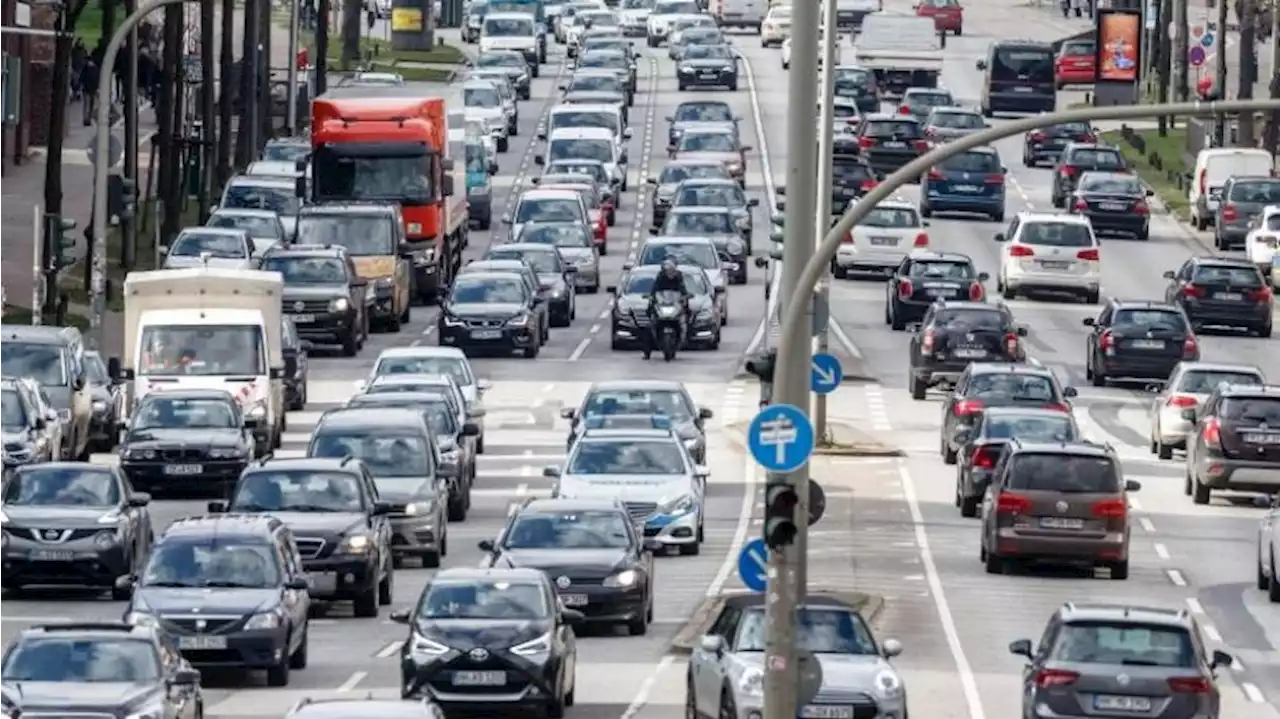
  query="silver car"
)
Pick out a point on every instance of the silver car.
point(225, 247)
point(726, 669)
point(575, 246)
point(1188, 387)
point(264, 226)
point(276, 193)
point(948, 123)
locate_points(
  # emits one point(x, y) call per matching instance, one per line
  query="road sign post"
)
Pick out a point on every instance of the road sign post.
point(826, 374)
point(753, 565)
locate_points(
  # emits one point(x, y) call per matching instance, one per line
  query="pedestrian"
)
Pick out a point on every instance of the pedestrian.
point(78, 56)
point(147, 74)
point(89, 77)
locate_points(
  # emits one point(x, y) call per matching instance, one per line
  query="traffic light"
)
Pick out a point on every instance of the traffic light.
point(761, 364)
point(122, 197)
point(60, 242)
point(780, 502)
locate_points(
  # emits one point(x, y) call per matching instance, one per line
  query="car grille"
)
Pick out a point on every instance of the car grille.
point(485, 323)
point(182, 453)
point(310, 307)
point(310, 548)
point(212, 625)
point(641, 510)
point(58, 536)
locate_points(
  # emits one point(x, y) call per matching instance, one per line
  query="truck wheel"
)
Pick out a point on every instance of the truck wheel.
point(404, 316)
point(502, 144)
point(393, 322)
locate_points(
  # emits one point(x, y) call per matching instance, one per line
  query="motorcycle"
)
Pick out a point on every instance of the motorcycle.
point(668, 327)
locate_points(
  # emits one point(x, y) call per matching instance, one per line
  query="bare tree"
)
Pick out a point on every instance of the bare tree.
point(351, 29)
point(1246, 15)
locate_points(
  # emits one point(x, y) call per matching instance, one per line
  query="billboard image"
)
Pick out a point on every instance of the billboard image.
point(1119, 34)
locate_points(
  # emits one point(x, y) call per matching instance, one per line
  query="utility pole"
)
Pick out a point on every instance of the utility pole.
point(170, 125)
point(322, 47)
point(1164, 50)
point(1180, 50)
point(265, 105)
point(208, 150)
point(1248, 16)
point(826, 117)
point(291, 105)
point(1273, 125)
point(1220, 72)
point(226, 90)
point(247, 138)
point(128, 228)
point(781, 665)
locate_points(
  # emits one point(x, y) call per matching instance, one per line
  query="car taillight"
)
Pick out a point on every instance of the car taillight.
point(1110, 509)
point(1262, 294)
point(967, 407)
point(904, 109)
point(985, 458)
point(1140, 208)
point(922, 240)
point(927, 342)
point(1087, 137)
point(1106, 342)
point(1202, 180)
point(848, 238)
point(934, 174)
point(1021, 251)
point(977, 292)
point(1193, 291)
point(1010, 503)
point(921, 145)
point(1090, 254)
point(868, 185)
point(1057, 407)
point(1212, 432)
point(1070, 170)
point(905, 289)
point(1038, 137)
point(1190, 347)
point(866, 142)
point(1011, 344)
point(994, 179)
point(1190, 685)
point(1229, 212)
point(1080, 206)
point(1182, 401)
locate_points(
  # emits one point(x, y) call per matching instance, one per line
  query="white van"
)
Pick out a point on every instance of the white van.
point(1214, 166)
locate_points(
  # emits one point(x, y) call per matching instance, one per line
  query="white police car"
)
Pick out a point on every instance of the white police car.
point(633, 402)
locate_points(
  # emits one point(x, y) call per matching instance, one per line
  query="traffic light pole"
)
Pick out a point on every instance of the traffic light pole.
point(826, 118)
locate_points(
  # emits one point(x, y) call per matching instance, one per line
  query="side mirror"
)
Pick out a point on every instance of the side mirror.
point(611, 289)
point(493, 168)
point(570, 412)
point(542, 136)
point(449, 469)
point(1132, 485)
point(1221, 659)
point(778, 218)
point(572, 617)
point(653, 545)
point(712, 643)
point(998, 237)
point(1189, 414)
point(297, 584)
point(622, 158)
point(1150, 193)
point(506, 219)
point(1022, 331)
point(539, 160)
point(360, 385)
point(627, 133)
point(381, 508)
point(925, 223)
point(306, 345)
point(113, 369)
point(484, 385)
point(651, 180)
point(125, 584)
point(551, 472)
point(1020, 647)
point(1070, 392)
point(702, 471)
point(981, 65)
point(669, 118)
point(983, 276)
point(780, 205)
point(470, 429)
point(164, 249)
point(891, 648)
point(486, 545)
point(963, 435)
point(671, 149)
point(762, 262)
point(477, 413)
point(719, 289)
point(753, 202)
point(1089, 322)
point(1168, 275)
point(746, 148)
point(400, 616)
point(139, 499)
point(186, 677)
point(217, 506)
point(705, 413)
point(290, 365)
point(300, 186)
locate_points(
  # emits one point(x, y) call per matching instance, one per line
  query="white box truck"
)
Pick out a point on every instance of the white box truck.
point(902, 50)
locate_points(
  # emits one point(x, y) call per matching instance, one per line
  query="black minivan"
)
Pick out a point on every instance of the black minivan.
point(1018, 77)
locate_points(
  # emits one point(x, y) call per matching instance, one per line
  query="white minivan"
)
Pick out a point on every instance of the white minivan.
point(1214, 166)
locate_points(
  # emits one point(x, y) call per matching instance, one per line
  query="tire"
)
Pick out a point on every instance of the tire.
point(387, 588)
point(532, 352)
point(349, 345)
point(1092, 298)
point(638, 627)
point(1265, 331)
point(948, 454)
point(298, 660)
point(431, 560)
point(278, 675)
point(393, 322)
point(968, 506)
point(1120, 570)
point(1200, 493)
point(918, 388)
point(926, 211)
point(997, 217)
point(458, 510)
point(895, 322)
point(503, 144)
point(993, 563)
point(690, 550)
point(366, 605)
point(1201, 224)
point(1262, 581)
point(1163, 451)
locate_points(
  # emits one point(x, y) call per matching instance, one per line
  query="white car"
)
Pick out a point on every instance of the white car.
point(882, 239)
point(1051, 252)
point(589, 143)
point(1268, 578)
point(482, 102)
point(1188, 387)
point(786, 52)
point(634, 15)
point(1263, 240)
point(664, 15)
point(776, 27)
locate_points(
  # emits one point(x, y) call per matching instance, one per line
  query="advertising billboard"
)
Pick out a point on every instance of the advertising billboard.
point(1119, 45)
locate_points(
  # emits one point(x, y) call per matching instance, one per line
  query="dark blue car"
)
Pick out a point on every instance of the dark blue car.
point(969, 182)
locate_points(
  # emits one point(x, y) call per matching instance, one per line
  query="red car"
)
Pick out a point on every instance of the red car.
point(948, 15)
point(1076, 64)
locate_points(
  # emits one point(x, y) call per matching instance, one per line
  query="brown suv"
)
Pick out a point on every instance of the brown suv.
point(1235, 444)
point(1057, 502)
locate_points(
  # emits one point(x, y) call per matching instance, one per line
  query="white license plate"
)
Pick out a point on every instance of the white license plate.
point(1061, 523)
point(574, 600)
point(1148, 344)
point(883, 241)
point(1059, 266)
point(479, 679)
point(970, 353)
point(1259, 438)
point(708, 73)
point(183, 469)
point(1112, 206)
point(965, 188)
point(1124, 704)
point(893, 145)
point(938, 292)
point(323, 582)
point(303, 319)
point(1228, 296)
point(486, 334)
point(52, 555)
point(824, 711)
point(202, 641)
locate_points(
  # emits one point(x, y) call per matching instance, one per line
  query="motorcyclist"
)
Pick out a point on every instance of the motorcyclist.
point(669, 279)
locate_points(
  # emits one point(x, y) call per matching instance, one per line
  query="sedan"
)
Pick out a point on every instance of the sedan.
point(555, 277)
point(707, 66)
point(575, 246)
point(717, 224)
point(948, 123)
point(1113, 202)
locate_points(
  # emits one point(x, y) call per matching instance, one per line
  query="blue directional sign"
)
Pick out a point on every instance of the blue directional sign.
point(753, 565)
point(781, 438)
point(825, 374)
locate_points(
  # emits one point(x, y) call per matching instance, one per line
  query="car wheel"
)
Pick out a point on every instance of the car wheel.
point(968, 506)
point(1120, 570)
point(691, 550)
point(1163, 451)
point(1262, 581)
point(993, 563)
point(1201, 494)
point(387, 588)
point(918, 388)
point(278, 675)
point(1273, 584)
point(430, 560)
point(366, 605)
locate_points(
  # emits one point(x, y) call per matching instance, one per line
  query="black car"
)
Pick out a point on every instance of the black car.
point(613, 60)
point(528, 276)
point(296, 353)
point(107, 395)
point(99, 669)
point(954, 335)
point(488, 639)
point(73, 524)
point(323, 294)
point(890, 141)
point(187, 440)
point(720, 225)
point(514, 65)
point(629, 315)
point(1078, 158)
point(983, 385)
point(859, 85)
point(601, 565)
point(231, 590)
point(555, 277)
point(707, 66)
point(340, 527)
point(695, 112)
point(676, 172)
point(982, 445)
point(851, 178)
point(491, 311)
point(1047, 143)
point(1223, 292)
point(1114, 202)
point(719, 192)
point(1137, 340)
point(923, 278)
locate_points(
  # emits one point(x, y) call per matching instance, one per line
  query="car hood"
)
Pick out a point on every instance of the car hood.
point(79, 696)
point(172, 602)
point(406, 493)
point(467, 634)
point(576, 254)
point(293, 293)
point(54, 517)
point(596, 562)
point(724, 157)
point(838, 670)
point(953, 131)
point(593, 96)
point(636, 17)
point(550, 279)
point(172, 262)
point(494, 311)
point(482, 113)
point(628, 488)
point(321, 523)
point(204, 437)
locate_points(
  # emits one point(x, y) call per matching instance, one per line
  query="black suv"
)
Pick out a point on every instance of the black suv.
point(890, 141)
point(1235, 445)
point(982, 445)
point(1137, 339)
point(296, 353)
point(1222, 291)
point(73, 524)
point(340, 527)
point(923, 278)
point(251, 600)
point(478, 637)
point(187, 441)
point(953, 335)
point(1078, 158)
point(1047, 143)
point(323, 294)
point(144, 676)
point(993, 384)
point(851, 178)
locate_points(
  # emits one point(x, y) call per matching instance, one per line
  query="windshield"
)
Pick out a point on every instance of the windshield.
point(600, 150)
point(707, 142)
point(820, 631)
point(1206, 381)
point(1012, 385)
point(637, 4)
point(1083, 48)
point(212, 562)
point(577, 530)
point(245, 196)
point(1260, 410)
point(565, 235)
point(978, 162)
point(308, 270)
point(403, 178)
point(1100, 158)
point(941, 270)
point(703, 112)
point(1111, 185)
point(1124, 643)
point(501, 59)
point(385, 454)
point(670, 403)
point(543, 261)
point(298, 490)
point(489, 290)
point(851, 172)
point(63, 486)
point(209, 350)
point(585, 118)
point(927, 99)
point(1032, 428)
point(1152, 318)
point(507, 27)
point(158, 411)
point(1064, 473)
point(75, 660)
point(481, 97)
point(1259, 193)
point(677, 7)
point(633, 456)
point(705, 52)
point(699, 223)
point(1210, 275)
point(569, 167)
point(959, 320)
point(604, 59)
point(95, 369)
point(14, 414)
point(1030, 65)
point(853, 82)
point(700, 254)
point(477, 158)
point(1056, 234)
point(891, 217)
point(891, 129)
point(719, 195)
point(286, 152)
point(595, 83)
point(553, 209)
point(360, 234)
point(43, 363)
point(957, 120)
point(455, 367)
point(193, 243)
point(483, 599)
point(642, 284)
point(255, 225)
point(672, 174)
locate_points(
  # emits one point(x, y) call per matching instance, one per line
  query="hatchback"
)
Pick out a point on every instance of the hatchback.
point(1222, 292)
point(1188, 387)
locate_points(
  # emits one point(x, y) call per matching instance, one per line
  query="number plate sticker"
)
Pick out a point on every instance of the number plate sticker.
point(1050, 265)
point(479, 679)
point(52, 555)
point(1061, 523)
point(1024, 89)
point(202, 641)
point(884, 241)
point(939, 291)
point(1125, 704)
point(1261, 438)
point(304, 319)
point(824, 711)
point(184, 470)
point(970, 353)
point(1228, 296)
point(574, 600)
point(485, 334)
point(1112, 206)
point(1148, 344)
point(893, 145)
point(965, 188)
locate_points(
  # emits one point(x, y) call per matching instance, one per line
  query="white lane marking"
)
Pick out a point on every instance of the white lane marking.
point(1211, 632)
point(1252, 692)
point(1134, 504)
point(1162, 551)
point(1236, 665)
point(1147, 526)
point(389, 650)
point(1176, 577)
point(1195, 606)
point(548, 387)
point(843, 339)
point(522, 489)
point(766, 170)
point(352, 681)
point(646, 687)
point(577, 351)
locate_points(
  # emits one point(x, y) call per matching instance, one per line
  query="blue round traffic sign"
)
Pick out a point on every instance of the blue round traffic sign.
point(825, 374)
point(781, 438)
point(1206, 40)
point(1195, 56)
point(753, 565)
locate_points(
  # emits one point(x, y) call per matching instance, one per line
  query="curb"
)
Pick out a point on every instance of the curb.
point(686, 638)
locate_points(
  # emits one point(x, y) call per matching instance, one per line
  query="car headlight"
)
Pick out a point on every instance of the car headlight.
point(704, 315)
point(518, 321)
point(140, 618)
point(227, 453)
point(888, 684)
point(623, 579)
point(522, 79)
point(733, 166)
point(686, 70)
point(145, 455)
point(414, 509)
point(356, 544)
point(4, 539)
point(743, 222)
point(264, 620)
point(450, 321)
point(735, 248)
point(111, 518)
point(452, 456)
point(558, 291)
point(339, 304)
point(99, 406)
point(4, 518)
point(541, 645)
point(106, 539)
point(384, 283)
point(257, 411)
point(420, 647)
point(751, 683)
point(680, 505)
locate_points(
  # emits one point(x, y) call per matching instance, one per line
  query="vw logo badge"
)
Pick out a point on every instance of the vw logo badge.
point(201, 625)
point(1062, 506)
point(299, 306)
point(52, 534)
point(478, 654)
point(562, 582)
point(1123, 680)
point(968, 337)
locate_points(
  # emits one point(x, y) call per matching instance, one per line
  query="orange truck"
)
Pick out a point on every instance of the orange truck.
point(368, 146)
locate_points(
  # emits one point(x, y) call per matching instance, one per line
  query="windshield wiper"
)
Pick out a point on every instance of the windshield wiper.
point(311, 508)
point(221, 584)
point(171, 585)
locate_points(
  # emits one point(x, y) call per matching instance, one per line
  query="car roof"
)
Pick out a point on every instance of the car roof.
point(585, 133)
point(890, 116)
point(349, 208)
point(193, 393)
point(364, 418)
point(413, 378)
point(422, 351)
point(508, 16)
point(343, 707)
point(278, 250)
point(710, 128)
point(682, 239)
point(38, 334)
point(940, 256)
point(484, 274)
point(752, 600)
point(489, 573)
point(1136, 304)
point(1023, 411)
point(284, 464)
point(1010, 368)
point(699, 210)
point(210, 230)
point(571, 505)
point(81, 466)
point(1022, 42)
point(631, 433)
point(1090, 611)
point(222, 525)
point(1084, 449)
point(710, 181)
point(550, 194)
point(1030, 216)
point(969, 305)
point(479, 82)
point(1216, 261)
point(635, 385)
point(1249, 390)
point(1217, 367)
point(245, 211)
point(896, 205)
point(498, 265)
point(272, 181)
point(527, 246)
point(386, 399)
point(97, 629)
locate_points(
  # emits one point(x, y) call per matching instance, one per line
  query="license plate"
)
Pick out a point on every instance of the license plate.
point(1059, 266)
point(1124, 704)
point(1061, 523)
point(1112, 206)
point(1023, 89)
point(883, 241)
point(938, 292)
point(1228, 296)
point(1147, 344)
point(574, 600)
point(183, 469)
point(202, 641)
point(1215, 193)
point(893, 145)
point(708, 73)
point(970, 353)
point(486, 334)
point(965, 188)
point(479, 679)
point(303, 319)
point(1258, 438)
point(52, 555)
point(823, 711)
point(323, 582)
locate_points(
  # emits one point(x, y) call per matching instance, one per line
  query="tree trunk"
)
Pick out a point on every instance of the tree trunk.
point(108, 20)
point(170, 130)
point(351, 29)
point(1246, 14)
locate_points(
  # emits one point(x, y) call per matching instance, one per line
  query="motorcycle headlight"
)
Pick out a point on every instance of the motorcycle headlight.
point(679, 505)
point(734, 166)
point(414, 509)
point(743, 222)
point(264, 620)
point(623, 579)
point(888, 684)
point(99, 406)
point(384, 282)
point(106, 539)
point(339, 304)
point(518, 321)
point(751, 683)
point(356, 544)
point(668, 312)
point(558, 291)
point(540, 645)
point(422, 648)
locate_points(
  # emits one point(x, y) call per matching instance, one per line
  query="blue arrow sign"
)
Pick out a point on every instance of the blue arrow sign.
point(826, 374)
point(781, 438)
point(753, 565)
point(1206, 40)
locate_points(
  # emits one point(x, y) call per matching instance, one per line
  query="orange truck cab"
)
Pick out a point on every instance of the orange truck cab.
point(372, 147)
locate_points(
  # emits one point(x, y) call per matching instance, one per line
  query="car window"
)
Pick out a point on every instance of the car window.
point(891, 217)
point(820, 631)
point(892, 128)
point(1273, 222)
point(1012, 385)
point(1067, 473)
point(545, 262)
point(1265, 410)
point(1121, 643)
point(62, 486)
point(605, 457)
point(960, 320)
point(703, 112)
point(43, 363)
point(957, 120)
point(95, 661)
point(1261, 192)
point(455, 367)
point(1033, 428)
point(227, 562)
point(642, 284)
point(984, 162)
point(298, 490)
point(927, 99)
point(221, 246)
point(849, 172)
point(1098, 157)
point(160, 412)
point(1222, 275)
point(386, 454)
point(568, 530)
point(255, 225)
point(671, 403)
point(359, 234)
point(1153, 318)
point(941, 271)
point(1206, 381)
point(702, 254)
point(14, 412)
point(247, 196)
point(1056, 234)
point(707, 142)
point(711, 196)
point(700, 223)
point(1111, 185)
point(308, 270)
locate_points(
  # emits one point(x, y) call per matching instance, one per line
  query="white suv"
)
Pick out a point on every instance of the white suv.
point(1269, 551)
point(1050, 252)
